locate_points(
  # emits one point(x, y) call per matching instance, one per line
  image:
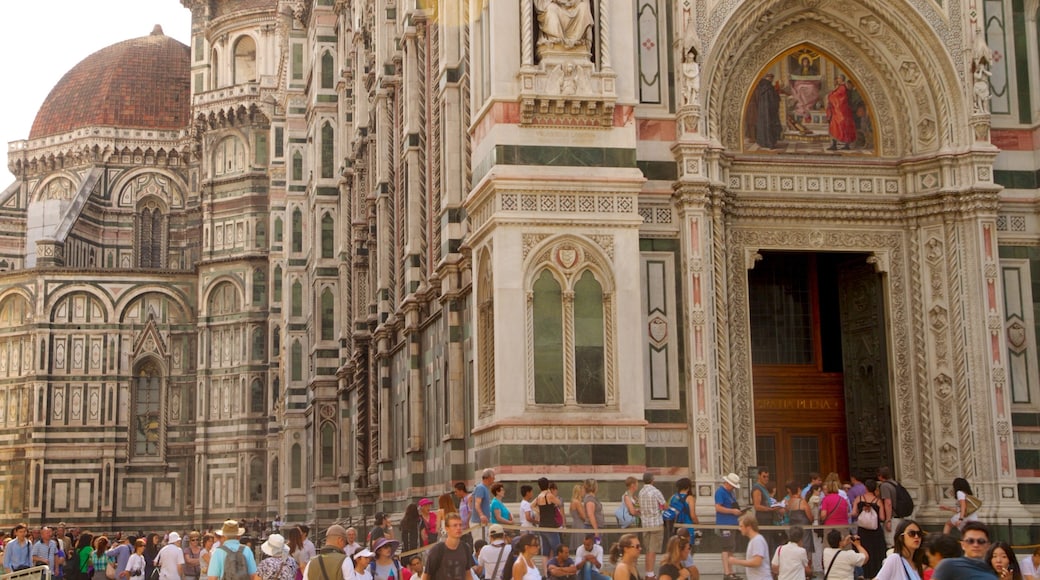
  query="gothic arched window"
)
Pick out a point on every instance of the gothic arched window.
point(328, 151)
point(297, 230)
point(256, 479)
point(296, 361)
point(257, 397)
point(328, 315)
point(548, 339)
point(259, 287)
point(276, 284)
point(296, 308)
point(590, 387)
point(328, 71)
point(328, 450)
point(328, 236)
point(147, 418)
point(296, 457)
point(151, 235)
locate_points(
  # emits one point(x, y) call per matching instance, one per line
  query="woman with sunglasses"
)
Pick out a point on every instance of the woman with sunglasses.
point(626, 550)
point(907, 557)
point(527, 547)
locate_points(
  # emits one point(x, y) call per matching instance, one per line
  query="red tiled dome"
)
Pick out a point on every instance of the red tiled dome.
point(142, 83)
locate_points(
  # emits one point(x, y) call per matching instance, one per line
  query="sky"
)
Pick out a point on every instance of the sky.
point(41, 41)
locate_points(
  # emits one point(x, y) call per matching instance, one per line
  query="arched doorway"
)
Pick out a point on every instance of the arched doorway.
point(819, 364)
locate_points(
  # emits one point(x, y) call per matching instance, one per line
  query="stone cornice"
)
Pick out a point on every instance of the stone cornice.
point(97, 145)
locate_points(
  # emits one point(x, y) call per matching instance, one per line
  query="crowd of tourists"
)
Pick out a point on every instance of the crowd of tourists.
point(825, 527)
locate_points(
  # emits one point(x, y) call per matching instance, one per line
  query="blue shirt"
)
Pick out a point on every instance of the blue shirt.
point(725, 498)
point(963, 569)
point(484, 494)
point(499, 513)
point(17, 557)
point(121, 554)
point(216, 561)
point(46, 551)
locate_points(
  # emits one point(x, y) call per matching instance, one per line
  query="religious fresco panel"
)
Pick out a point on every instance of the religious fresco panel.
point(805, 102)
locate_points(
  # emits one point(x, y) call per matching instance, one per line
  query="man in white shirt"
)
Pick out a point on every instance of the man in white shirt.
point(840, 561)
point(170, 559)
point(791, 562)
point(492, 557)
point(589, 559)
point(756, 561)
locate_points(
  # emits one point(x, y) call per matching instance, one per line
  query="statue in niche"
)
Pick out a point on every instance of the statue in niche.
point(980, 63)
point(691, 69)
point(564, 24)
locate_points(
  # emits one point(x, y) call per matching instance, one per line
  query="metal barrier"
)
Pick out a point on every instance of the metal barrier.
point(34, 573)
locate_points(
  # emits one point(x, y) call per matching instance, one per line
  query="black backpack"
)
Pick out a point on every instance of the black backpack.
point(903, 505)
point(72, 568)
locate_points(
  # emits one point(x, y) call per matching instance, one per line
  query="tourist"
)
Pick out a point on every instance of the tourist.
point(18, 552)
point(192, 553)
point(840, 563)
point(277, 563)
point(940, 547)
point(135, 564)
point(651, 502)
point(561, 566)
point(727, 511)
point(1030, 565)
point(624, 554)
point(527, 515)
point(873, 541)
point(1003, 561)
point(499, 512)
point(45, 551)
point(577, 513)
point(230, 532)
point(756, 561)
point(412, 528)
point(448, 559)
point(121, 554)
point(790, 561)
point(384, 565)
point(352, 544)
point(99, 560)
point(673, 564)
point(308, 546)
point(207, 553)
point(429, 521)
point(331, 557)
point(593, 507)
point(589, 558)
point(962, 491)
point(381, 529)
point(492, 557)
point(547, 507)
point(905, 561)
point(170, 559)
point(524, 567)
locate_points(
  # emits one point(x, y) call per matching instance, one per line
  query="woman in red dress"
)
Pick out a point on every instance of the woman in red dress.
point(842, 122)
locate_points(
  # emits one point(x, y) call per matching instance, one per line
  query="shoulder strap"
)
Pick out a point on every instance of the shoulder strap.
point(321, 565)
point(501, 551)
point(831, 565)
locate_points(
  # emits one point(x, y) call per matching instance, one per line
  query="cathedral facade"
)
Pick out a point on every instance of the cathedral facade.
point(334, 256)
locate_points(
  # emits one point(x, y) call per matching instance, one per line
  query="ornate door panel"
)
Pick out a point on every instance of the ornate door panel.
point(865, 361)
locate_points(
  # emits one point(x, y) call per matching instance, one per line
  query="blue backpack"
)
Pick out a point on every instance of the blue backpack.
point(678, 510)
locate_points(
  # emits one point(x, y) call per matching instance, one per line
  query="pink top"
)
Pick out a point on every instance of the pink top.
point(837, 509)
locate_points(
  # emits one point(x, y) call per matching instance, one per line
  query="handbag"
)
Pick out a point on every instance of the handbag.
point(559, 517)
point(624, 517)
point(110, 571)
point(973, 504)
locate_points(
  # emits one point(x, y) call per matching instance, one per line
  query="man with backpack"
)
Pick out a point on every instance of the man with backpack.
point(332, 563)
point(233, 561)
point(898, 503)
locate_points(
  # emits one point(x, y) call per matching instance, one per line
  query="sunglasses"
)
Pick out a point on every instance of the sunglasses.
point(976, 541)
point(914, 533)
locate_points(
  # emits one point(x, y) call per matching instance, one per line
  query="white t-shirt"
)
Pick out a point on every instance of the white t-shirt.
point(489, 556)
point(758, 547)
point(792, 559)
point(1026, 564)
point(845, 565)
point(168, 558)
point(579, 555)
point(525, 513)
